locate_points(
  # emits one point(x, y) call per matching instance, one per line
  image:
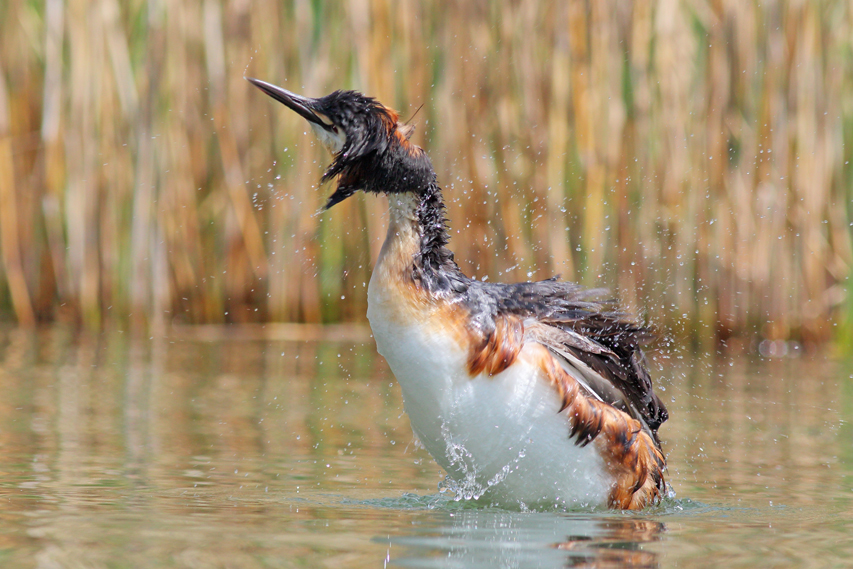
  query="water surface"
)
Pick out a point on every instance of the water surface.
point(234, 453)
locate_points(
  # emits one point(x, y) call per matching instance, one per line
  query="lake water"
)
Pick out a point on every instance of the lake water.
point(165, 453)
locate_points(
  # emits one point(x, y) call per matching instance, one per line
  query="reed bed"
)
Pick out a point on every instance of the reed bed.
point(691, 155)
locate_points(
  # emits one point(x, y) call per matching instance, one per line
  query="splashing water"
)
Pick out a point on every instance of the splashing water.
point(466, 485)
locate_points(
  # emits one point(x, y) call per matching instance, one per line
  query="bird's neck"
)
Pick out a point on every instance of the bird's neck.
point(417, 233)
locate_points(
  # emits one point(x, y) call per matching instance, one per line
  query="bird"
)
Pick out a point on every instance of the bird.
point(530, 395)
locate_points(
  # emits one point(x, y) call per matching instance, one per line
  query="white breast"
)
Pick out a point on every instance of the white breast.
point(500, 438)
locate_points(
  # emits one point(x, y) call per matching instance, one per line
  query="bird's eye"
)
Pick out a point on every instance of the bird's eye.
point(335, 129)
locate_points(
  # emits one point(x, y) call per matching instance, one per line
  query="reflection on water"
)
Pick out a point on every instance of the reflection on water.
point(506, 539)
point(272, 454)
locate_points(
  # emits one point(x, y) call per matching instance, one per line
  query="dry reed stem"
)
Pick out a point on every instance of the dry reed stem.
point(691, 154)
point(9, 232)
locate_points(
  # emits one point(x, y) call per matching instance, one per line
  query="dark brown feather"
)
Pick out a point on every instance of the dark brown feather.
point(594, 331)
point(630, 453)
point(498, 349)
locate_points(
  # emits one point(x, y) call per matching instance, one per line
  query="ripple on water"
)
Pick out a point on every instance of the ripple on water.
point(444, 502)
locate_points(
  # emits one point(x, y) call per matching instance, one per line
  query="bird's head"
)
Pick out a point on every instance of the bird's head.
point(371, 149)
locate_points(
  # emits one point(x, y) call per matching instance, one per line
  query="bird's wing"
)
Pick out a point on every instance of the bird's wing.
point(600, 346)
point(629, 450)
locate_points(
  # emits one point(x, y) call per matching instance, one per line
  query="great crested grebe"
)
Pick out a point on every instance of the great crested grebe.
point(532, 394)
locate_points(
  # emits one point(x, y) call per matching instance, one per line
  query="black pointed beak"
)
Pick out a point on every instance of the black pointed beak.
point(303, 106)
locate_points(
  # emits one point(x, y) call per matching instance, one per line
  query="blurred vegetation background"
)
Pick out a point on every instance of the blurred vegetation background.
point(689, 154)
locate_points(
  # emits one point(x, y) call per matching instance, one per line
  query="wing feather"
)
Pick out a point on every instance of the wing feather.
point(595, 342)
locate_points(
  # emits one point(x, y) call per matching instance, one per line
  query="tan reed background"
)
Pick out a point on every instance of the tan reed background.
point(690, 154)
